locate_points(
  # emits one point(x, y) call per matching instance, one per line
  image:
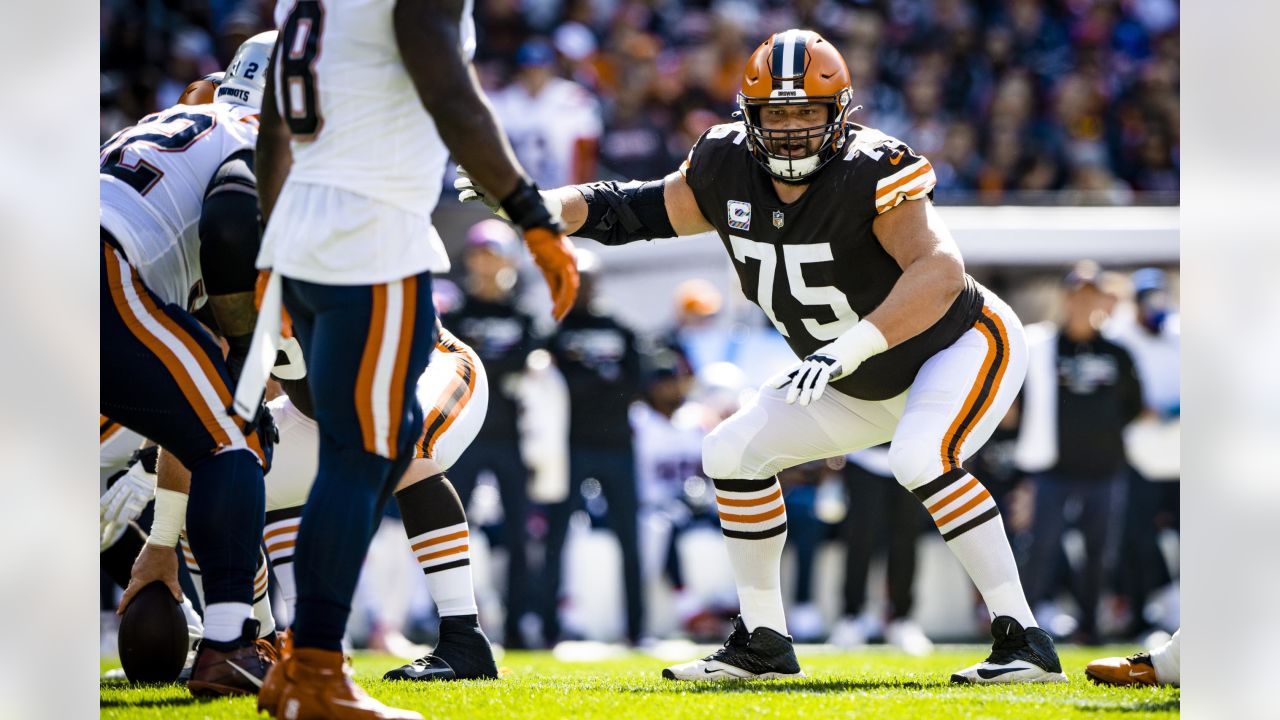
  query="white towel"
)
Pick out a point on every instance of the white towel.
point(262, 352)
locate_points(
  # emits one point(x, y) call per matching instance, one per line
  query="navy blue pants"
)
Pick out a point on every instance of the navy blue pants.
point(365, 347)
point(164, 377)
point(1098, 505)
point(503, 458)
point(614, 468)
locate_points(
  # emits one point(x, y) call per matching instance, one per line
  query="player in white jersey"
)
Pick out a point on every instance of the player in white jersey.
point(179, 233)
point(350, 161)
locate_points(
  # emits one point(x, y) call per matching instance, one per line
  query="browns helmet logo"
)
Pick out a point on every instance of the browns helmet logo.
point(795, 68)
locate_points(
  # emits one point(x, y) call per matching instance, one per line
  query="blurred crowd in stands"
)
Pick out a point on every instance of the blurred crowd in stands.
point(1027, 101)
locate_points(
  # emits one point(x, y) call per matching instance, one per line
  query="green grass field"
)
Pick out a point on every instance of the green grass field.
point(874, 683)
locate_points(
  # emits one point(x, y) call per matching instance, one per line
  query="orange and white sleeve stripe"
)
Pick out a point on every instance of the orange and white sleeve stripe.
point(912, 182)
point(442, 549)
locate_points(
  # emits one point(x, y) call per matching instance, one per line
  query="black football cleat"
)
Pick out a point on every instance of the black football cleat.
point(1017, 656)
point(760, 655)
point(463, 653)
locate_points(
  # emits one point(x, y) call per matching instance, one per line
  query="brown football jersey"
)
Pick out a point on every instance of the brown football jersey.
point(815, 266)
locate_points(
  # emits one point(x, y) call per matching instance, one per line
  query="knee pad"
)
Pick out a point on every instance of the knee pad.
point(915, 461)
point(722, 451)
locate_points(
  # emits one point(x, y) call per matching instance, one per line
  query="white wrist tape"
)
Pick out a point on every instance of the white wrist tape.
point(554, 205)
point(170, 516)
point(856, 344)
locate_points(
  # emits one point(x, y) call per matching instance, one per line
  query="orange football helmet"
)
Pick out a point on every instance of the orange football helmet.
point(795, 67)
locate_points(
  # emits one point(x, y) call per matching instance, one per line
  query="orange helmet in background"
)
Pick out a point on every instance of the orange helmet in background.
point(201, 92)
point(795, 67)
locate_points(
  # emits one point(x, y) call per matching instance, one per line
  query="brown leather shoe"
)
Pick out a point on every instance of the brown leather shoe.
point(230, 671)
point(311, 684)
point(1133, 670)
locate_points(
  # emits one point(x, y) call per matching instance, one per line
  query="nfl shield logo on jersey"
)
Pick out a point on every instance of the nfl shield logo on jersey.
point(778, 219)
point(739, 215)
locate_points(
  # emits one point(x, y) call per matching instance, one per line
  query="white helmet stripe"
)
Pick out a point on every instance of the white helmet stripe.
point(789, 59)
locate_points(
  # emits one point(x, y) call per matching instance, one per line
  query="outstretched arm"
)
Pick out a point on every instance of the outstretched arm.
point(676, 198)
point(613, 213)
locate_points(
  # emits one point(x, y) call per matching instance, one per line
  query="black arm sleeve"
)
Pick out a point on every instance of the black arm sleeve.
point(229, 236)
point(620, 213)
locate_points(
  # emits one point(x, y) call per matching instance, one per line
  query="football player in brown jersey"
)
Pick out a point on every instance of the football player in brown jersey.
point(833, 234)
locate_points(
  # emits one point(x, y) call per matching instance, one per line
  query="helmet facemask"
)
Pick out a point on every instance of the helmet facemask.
point(770, 146)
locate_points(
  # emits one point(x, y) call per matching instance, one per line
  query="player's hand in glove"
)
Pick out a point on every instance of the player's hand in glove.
point(124, 501)
point(544, 235)
point(833, 361)
point(469, 191)
point(809, 379)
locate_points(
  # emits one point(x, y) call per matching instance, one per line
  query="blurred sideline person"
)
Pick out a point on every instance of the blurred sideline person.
point(915, 351)
point(179, 231)
point(1081, 392)
point(1153, 338)
point(877, 505)
point(806, 531)
point(600, 362)
point(1161, 666)
point(554, 124)
point(502, 336)
point(668, 433)
point(351, 158)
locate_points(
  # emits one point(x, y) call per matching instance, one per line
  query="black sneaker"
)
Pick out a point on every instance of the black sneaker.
point(760, 655)
point(1017, 656)
point(463, 653)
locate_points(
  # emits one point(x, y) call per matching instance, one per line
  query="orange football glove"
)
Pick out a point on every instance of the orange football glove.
point(553, 253)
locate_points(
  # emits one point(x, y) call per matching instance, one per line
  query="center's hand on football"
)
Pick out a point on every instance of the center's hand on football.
point(809, 379)
point(153, 563)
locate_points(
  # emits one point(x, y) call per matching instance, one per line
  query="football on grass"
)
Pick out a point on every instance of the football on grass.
point(153, 636)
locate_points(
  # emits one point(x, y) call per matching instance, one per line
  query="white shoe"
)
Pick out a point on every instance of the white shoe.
point(805, 622)
point(849, 633)
point(907, 636)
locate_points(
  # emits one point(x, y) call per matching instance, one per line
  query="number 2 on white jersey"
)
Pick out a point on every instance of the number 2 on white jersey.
point(794, 257)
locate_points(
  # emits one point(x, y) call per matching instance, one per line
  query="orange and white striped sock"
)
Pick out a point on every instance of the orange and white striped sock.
point(436, 525)
point(280, 534)
point(753, 519)
point(967, 516)
point(261, 597)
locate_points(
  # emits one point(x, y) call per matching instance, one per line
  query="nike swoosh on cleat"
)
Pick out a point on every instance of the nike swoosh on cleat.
point(986, 674)
point(253, 679)
point(1142, 674)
